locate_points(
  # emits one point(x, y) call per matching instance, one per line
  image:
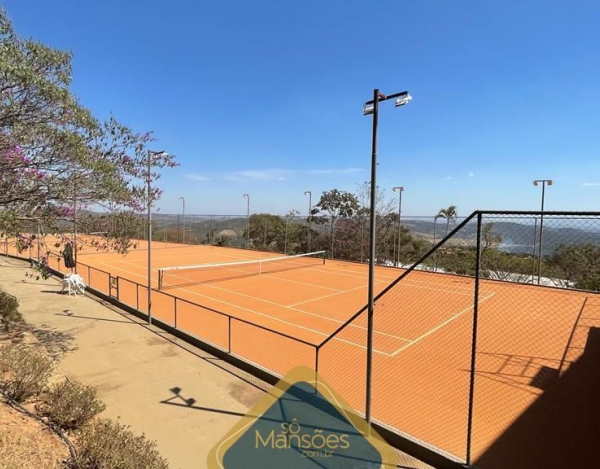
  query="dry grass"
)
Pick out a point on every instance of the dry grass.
point(25, 443)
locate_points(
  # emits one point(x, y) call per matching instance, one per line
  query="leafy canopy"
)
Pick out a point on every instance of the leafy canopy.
point(53, 152)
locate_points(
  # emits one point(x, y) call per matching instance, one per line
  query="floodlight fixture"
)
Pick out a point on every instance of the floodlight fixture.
point(403, 99)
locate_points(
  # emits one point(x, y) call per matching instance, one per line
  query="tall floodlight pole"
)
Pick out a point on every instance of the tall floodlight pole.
point(309, 194)
point(183, 221)
point(372, 107)
point(535, 183)
point(247, 197)
point(75, 223)
point(400, 191)
point(149, 221)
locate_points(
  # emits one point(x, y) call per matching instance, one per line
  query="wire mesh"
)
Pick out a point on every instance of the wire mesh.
point(269, 349)
point(163, 307)
point(99, 280)
point(537, 310)
point(343, 362)
point(204, 324)
point(127, 292)
point(545, 278)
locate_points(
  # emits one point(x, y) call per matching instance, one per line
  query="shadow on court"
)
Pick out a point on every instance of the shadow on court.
point(562, 427)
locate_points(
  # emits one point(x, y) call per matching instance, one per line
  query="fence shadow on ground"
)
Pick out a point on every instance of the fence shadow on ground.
point(562, 427)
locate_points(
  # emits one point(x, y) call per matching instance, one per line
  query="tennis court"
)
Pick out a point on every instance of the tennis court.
point(303, 297)
point(292, 315)
point(421, 337)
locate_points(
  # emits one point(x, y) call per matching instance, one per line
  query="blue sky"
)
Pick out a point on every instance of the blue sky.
point(265, 97)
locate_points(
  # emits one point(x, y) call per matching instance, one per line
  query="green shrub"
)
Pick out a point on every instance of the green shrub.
point(23, 372)
point(70, 404)
point(106, 444)
point(9, 311)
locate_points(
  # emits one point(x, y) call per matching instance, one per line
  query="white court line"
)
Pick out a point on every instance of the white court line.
point(439, 326)
point(259, 314)
point(292, 306)
point(340, 292)
point(254, 298)
point(403, 282)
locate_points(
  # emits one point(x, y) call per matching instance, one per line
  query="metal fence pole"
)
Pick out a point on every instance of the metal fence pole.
point(229, 336)
point(534, 250)
point(474, 341)
point(541, 235)
point(175, 311)
point(317, 369)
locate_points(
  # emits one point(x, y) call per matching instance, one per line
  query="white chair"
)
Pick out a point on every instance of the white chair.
point(74, 284)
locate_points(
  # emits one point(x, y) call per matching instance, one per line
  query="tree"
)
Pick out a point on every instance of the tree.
point(578, 264)
point(384, 209)
point(289, 218)
point(490, 239)
point(225, 237)
point(449, 214)
point(54, 154)
point(336, 204)
point(266, 231)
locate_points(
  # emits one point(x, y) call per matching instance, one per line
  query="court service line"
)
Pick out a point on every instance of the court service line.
point(439, 326)
point(259, 314)
point(404, 282)
point(301, 310)
point(330, 295)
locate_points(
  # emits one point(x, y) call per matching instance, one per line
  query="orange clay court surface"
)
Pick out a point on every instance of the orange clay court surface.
point(422, 338)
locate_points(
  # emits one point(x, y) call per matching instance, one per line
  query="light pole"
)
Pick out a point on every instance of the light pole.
point(372, 107)
point(535, 183)
point(309, 193)
point(400, 191)
point(183, 221)
point(247, 197)
point(75, 223)
point(148, 181)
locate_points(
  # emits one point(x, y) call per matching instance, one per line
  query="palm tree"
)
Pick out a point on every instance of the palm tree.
point(449, 214)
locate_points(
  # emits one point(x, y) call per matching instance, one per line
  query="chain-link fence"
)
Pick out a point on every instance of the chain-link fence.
point(472, 337)
point(481, 347)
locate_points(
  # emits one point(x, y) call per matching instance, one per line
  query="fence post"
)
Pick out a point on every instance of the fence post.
point(534, 251)
point(317, 348)
point(137, 296)
point(229, 336)
point(474, 340)
point(175, 319)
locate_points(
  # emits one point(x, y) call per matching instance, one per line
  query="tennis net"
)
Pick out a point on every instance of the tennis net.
point(174, 277)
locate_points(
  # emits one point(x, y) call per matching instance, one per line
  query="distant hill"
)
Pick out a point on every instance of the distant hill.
point(517, 237)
